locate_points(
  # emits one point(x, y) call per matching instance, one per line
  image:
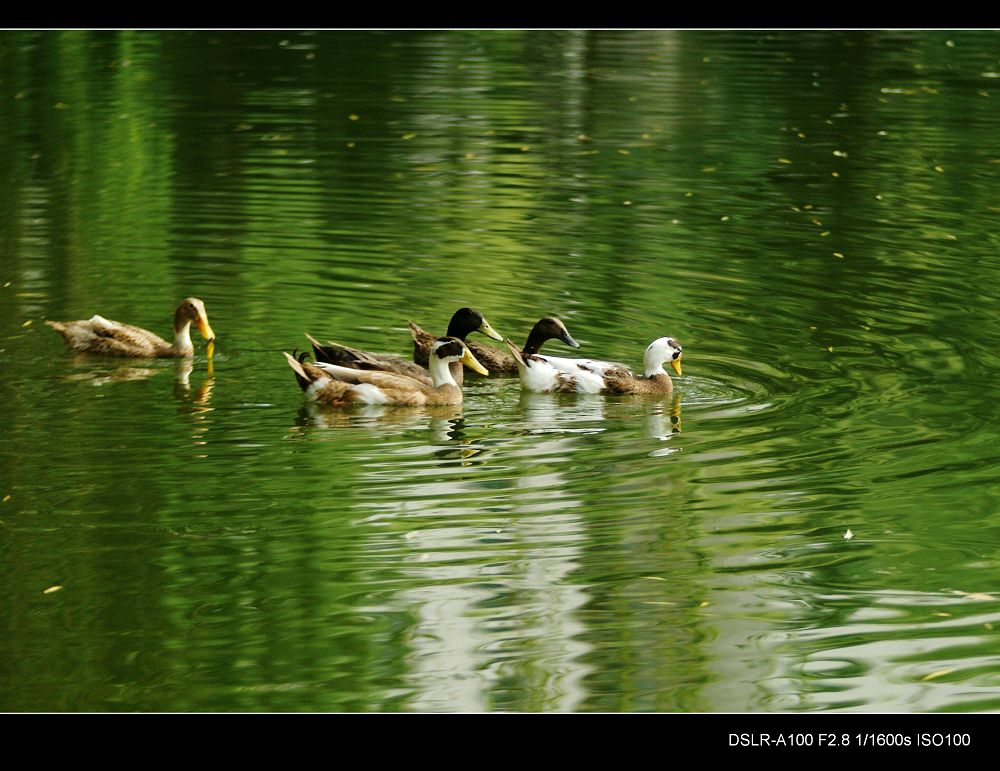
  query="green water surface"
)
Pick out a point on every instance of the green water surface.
point(813, 523)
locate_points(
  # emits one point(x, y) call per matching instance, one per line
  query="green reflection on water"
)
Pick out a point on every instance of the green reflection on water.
point(809, 213)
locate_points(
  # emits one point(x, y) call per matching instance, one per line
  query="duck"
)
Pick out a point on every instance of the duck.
point(493, 359)
point(502, 363)
point(553, 374)
point(464, 322)
point(337, 386)
point(112, 338)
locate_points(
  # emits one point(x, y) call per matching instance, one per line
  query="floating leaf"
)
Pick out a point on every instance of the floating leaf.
point(848, 535)
point(622, 151)
point(824, 234)
point(408, 136)
point(783, 160)
point(934, 675)
point(703, 604)
point(26, 323)
point(838, 254)
point(52, 589)
point(939, 169)
point(840, 153)
point(6, 498)
point(353, 116)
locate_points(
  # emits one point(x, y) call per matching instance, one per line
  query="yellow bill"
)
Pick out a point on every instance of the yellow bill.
point(487, 330)
point(210, 352)
point(472, 363)
point(676, 364)
point(204, 327)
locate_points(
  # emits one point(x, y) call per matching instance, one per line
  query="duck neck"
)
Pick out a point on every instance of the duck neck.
point(534, 342)
point(653, 367)
point(182, 334)
point(440, 372)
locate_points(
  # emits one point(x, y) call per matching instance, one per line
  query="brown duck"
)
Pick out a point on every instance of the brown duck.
point(100, 335)
point(337, 386)
point(464, 322)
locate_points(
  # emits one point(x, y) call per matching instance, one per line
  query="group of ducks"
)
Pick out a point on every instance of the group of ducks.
point(343, 376)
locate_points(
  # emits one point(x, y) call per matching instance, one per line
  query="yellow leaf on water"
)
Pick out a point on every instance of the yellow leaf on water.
point(623, 151)
point(988, 625)
point(939, 673)
point(6, 498)
point(783, 160)
point(409, 136)
point(6, 285)
point(834, 173)
point(830, 348)
point(838, 254)
point(26, 323)
point(824, 234)
point(52, 589)
point(353, 116)
point(939, 169)
point(703, 604)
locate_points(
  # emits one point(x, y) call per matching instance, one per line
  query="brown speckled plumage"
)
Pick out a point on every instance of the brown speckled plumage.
point(112, 338)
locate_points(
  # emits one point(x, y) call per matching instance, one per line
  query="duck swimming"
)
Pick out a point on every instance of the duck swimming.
point(112, 338)
point(334, 385)
point(493, 359)
point(553, 374)
point(502, 363)
point(464, 322)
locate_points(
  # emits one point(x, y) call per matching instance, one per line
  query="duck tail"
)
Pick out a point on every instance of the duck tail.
point(416, 331)
point(58, 326)
point(318, 349)
point(516, 352)
point(300, 373)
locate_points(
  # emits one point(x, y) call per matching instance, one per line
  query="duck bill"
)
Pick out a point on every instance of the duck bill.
point(487, 330)
point(209, 353)
point(472, 363)
point(676, 364)
point(205, 328)
point(567, 338)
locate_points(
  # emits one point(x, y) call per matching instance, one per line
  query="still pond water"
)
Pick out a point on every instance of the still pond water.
point(813, 215)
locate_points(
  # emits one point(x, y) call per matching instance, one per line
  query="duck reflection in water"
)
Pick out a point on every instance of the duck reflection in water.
point(182, 384)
